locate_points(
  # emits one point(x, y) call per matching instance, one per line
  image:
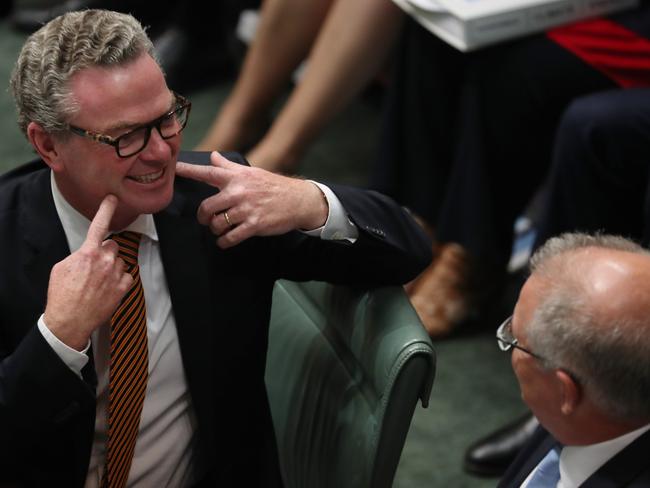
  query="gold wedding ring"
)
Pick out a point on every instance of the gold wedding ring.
point(225, 216)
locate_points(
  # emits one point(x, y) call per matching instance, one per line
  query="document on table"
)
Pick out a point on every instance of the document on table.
point(472, 24)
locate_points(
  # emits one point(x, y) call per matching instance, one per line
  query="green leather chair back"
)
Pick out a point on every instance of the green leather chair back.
point(345, 369)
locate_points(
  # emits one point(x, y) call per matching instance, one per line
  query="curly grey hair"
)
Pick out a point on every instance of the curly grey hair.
point(611, 359)
point(61, 48)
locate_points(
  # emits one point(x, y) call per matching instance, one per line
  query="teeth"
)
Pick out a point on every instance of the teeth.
point(148, 178)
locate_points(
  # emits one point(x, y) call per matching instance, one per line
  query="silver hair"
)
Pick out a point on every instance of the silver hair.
point(62, 47)
point(610, 359)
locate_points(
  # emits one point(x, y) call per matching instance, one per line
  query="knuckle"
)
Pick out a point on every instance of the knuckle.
point(86, 253)
point(214, 227)
point(203, 206)
point(204, 212)
point(254, 221)
point(229, 239)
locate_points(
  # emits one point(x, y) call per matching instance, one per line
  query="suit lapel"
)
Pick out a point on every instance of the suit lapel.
point(624, 467)
point(187, 264)
point(528, 459)
point(45, 240)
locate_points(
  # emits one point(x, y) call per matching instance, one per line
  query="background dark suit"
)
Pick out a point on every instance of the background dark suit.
point(221, 301)
point(460, 128)
point(600, 177)
point(629, 468)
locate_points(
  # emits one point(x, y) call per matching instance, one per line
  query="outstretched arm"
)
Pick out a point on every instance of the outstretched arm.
point(389, 247)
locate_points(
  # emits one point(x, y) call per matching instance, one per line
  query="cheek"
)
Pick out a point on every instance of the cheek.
point(537, 391)
point(96, 162)
point(102, 176)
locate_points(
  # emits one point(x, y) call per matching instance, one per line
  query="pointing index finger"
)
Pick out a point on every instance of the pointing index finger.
point(206, 174)
point(219, 161)
point(100, 225)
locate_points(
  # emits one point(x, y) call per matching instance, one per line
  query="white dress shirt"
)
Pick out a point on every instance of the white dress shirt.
point(578, 463)
point(165, 454)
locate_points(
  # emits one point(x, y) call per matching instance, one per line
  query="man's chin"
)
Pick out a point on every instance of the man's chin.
point(159, 205)
point(151, 205)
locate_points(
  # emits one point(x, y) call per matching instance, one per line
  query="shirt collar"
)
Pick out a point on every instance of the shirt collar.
point(76, 225)
point(578, 463)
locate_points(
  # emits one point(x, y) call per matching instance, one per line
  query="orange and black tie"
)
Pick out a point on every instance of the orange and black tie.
point(128, 371)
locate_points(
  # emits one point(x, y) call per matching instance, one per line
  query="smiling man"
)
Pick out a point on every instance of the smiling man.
point(132, 345)
point(580, 342)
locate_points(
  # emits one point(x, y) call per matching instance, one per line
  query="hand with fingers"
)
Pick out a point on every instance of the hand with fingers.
point(254, 202)
point(87, 286)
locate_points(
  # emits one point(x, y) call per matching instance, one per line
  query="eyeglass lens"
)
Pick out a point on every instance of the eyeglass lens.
point(168, 126)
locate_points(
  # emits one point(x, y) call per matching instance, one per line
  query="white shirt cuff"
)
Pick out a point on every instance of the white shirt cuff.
point(338, 226)
point(74, 359)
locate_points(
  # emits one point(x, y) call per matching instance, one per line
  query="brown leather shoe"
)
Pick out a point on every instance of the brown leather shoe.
point(435, 251)
point(442, 295)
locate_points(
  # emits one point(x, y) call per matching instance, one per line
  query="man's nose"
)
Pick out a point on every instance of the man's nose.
point(156, 147)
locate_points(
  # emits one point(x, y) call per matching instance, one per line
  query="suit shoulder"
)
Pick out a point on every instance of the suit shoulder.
point(17, 183)
point(203, 157)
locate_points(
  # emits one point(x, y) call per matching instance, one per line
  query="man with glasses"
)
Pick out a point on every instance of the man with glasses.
point(598, 180)
point(132, 345)
point(580, 344)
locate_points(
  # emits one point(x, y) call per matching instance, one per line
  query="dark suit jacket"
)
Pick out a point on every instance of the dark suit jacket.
point(221, 301)
point(629, 468)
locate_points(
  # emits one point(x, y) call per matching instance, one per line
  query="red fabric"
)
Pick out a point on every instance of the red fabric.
point(617, 52)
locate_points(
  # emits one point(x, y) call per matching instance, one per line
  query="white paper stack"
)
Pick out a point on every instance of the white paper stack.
point(472, 24)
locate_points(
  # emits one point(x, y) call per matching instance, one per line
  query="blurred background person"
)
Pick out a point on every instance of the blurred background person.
point(345, 43)
point(467, 141)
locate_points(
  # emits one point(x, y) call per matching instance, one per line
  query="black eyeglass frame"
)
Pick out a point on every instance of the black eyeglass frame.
point(181, 104)
point(507, 341)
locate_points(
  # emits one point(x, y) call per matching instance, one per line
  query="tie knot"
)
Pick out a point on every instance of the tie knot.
point(128, 243)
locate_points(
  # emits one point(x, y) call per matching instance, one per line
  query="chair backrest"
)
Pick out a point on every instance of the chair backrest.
point(345, 369)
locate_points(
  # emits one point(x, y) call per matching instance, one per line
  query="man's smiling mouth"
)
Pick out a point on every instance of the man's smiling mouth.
point(148, 178)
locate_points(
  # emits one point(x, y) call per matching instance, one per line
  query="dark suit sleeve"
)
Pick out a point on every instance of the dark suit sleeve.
point(43, 404)
point(391, 248)
point(38, 392)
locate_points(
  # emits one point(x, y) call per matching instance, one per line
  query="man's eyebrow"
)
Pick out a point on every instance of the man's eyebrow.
point(123, 126)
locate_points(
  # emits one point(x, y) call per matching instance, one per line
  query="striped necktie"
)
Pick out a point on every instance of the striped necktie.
point(128, 371)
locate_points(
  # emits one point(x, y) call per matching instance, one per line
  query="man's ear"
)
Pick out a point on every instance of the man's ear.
point(570, 391)
point(45, 145)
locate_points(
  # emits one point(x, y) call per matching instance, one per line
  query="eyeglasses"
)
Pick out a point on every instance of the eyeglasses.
point(169, 125)
point(507, 341)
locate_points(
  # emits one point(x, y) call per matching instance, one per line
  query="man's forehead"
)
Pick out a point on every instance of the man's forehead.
point(120, 96)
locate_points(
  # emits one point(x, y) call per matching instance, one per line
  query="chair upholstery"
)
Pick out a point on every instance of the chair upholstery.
point(345, 369)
